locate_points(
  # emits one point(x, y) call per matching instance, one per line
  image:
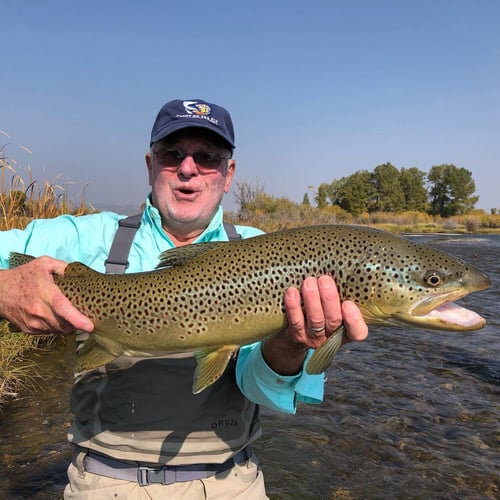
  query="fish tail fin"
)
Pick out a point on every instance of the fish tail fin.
point(211, 365)
point(325, 353)
point(17, 259)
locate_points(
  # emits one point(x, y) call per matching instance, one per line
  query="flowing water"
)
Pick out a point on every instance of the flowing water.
point(407, 414)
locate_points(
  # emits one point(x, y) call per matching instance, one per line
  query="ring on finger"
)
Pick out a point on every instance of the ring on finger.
point(317, 329)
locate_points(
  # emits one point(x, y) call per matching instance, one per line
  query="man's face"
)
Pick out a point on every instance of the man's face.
point(188, 195)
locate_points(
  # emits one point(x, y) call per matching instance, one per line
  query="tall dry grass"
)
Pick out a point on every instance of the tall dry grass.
point(23, 199)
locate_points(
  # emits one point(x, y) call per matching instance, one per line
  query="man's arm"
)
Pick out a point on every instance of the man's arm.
point(272, 373)
point(31, 300)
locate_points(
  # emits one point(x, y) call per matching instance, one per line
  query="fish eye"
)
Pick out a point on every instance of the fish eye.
point(433, 278)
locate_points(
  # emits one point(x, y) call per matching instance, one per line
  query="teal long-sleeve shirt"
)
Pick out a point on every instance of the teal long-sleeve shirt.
point(88, 239)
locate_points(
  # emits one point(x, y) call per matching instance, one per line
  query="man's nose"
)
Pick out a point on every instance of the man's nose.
point(188, 167)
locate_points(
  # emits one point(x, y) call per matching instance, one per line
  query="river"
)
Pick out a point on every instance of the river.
point(407, 414)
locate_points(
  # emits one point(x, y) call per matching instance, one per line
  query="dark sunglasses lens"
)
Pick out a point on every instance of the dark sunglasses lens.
point(170, 157)
point(207, 160)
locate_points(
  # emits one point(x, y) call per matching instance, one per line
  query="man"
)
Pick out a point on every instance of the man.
point(138, 430)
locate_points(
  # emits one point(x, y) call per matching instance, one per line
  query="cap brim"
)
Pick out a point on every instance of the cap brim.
point(180, 125)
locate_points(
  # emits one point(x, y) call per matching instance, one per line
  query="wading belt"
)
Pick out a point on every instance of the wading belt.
point(117, 260)
point(95, 463)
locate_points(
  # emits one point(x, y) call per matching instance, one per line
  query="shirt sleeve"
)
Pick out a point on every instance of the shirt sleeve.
point(86, 238)
point(261, 385)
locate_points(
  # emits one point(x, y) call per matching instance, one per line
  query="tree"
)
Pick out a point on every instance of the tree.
point(412, 182)
point(354, 192)
point(323, 195)
point(451, 190)
point(388, 195)
point(305, 200)
point(247, 192)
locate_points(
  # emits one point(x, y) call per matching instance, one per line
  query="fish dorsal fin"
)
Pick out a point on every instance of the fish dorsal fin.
point(77, 269)
point(180, 255)
point(18, 259)
point(325, 353)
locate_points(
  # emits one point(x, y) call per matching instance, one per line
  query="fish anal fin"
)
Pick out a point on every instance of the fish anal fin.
point(211, 365)
point(325, 353)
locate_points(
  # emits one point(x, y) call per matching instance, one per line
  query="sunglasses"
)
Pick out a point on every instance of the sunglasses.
point(204, 159)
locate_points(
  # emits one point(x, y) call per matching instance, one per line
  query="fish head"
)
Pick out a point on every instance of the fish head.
point(413, 284)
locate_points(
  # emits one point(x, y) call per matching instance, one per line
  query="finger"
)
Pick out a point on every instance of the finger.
point(294, 313)
point(313, 307)
point(356, 327)
point(69, 317)
point(330, 303)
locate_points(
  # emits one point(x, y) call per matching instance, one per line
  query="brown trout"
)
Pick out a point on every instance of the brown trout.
point(211, 298)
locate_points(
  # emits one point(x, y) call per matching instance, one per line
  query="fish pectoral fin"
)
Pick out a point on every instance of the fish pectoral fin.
point(92, 355)
point(325, 353)
point(211, 365)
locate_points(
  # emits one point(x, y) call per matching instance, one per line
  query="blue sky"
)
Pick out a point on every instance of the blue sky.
point(317, 90)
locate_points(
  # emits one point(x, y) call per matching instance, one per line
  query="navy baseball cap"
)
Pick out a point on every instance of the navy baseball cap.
point(178, 114)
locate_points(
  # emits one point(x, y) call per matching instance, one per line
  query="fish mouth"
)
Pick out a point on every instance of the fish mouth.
point(451, 316)
point(442, 313)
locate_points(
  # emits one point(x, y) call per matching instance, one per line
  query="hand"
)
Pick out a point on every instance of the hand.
point(309, 326)
point(31, 300)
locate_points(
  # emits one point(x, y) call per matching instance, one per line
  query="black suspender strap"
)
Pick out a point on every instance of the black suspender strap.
point(117, 260)
point(231, 232)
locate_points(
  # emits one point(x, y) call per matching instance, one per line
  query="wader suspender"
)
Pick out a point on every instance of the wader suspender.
point(117, 260)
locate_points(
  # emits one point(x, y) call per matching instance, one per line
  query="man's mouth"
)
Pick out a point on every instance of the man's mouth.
point(185, 193)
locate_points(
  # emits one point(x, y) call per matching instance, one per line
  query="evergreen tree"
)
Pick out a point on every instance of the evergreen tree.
point(387, 191)
point(451, 190)
point(412, 182)
point(355, 192)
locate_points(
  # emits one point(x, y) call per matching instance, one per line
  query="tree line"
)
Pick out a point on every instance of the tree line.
point(447, 190)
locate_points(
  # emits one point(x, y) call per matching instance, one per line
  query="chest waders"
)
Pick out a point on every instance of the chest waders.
point(243, 414)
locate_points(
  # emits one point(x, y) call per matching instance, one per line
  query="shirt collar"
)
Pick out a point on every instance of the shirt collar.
point(211, 233)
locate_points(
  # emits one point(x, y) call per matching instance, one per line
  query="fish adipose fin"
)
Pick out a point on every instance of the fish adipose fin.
point(211, 365)
point(325, 353)
point(180, 255)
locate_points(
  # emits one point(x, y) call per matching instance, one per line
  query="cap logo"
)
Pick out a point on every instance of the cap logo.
point(196, 108)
